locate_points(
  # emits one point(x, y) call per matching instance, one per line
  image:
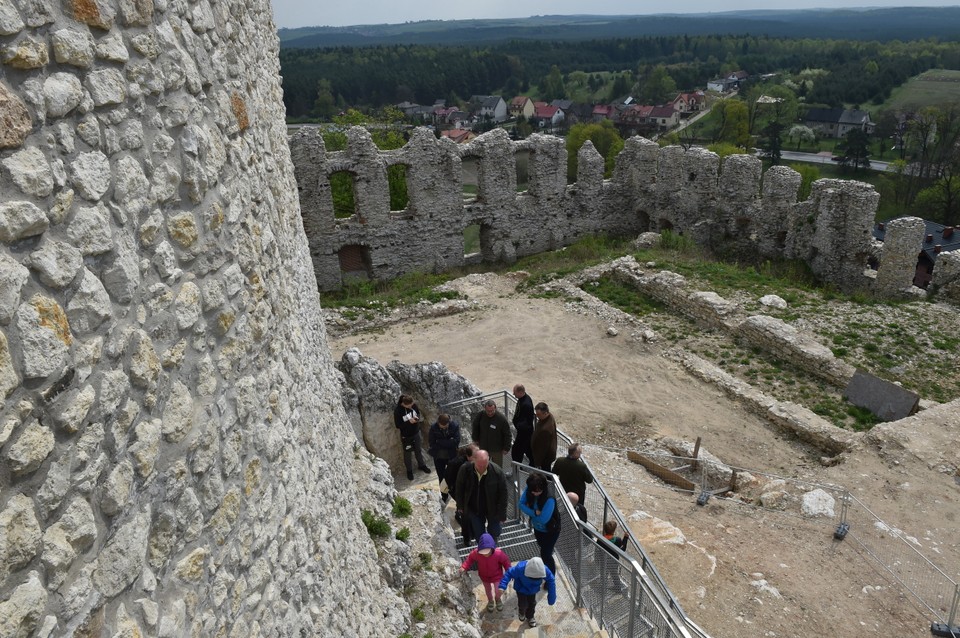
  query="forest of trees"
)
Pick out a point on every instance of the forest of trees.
point(854, 72)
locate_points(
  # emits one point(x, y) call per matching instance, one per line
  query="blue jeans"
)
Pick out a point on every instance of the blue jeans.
point(547, 541)
point(483, 525)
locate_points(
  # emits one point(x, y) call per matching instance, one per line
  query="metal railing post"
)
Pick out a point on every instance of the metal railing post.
point(953, 608)
point(580, 552)
point(633, 605)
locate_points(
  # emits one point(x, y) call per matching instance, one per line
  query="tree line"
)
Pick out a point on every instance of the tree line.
point(854, 72)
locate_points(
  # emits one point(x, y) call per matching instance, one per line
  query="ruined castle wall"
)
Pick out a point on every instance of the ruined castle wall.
point(734, 210)
point(172, 431)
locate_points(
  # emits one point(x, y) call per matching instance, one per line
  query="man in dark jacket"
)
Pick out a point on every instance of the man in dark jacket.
point(444, 438)
point(482, 494)
point(544, 439)
point(491, 431)
point(573, 472)
point(452, 472)
point(523, 421)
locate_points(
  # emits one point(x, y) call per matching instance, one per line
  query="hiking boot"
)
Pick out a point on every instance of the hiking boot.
point(499, 605)
point(490, 606)
point(410, 475)
point(521, 617)
point(532, 622)
point(424, 469)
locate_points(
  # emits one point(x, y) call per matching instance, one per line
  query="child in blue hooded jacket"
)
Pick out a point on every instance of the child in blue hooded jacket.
point(528, 577)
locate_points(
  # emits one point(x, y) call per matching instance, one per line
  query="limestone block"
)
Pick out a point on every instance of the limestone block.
point(15, 123)
point(114, 387)
point(19, 220)
point(12, 277)
point(22, 611)
point(131, 187)
point(112, 48)
point(57, 263)
point(10, 21)
point(144, 364)
point(817, 503)
point(121, 274)
point(96, 13)
point(146, 446)
point(178, 417)
point(773, 301)
point(89, 131)
point(79, 524)
point(190, 515)
point(9, 379)
point(58, 554)
point(62, 93)
point(30, 171)
point(54, 487)
point(90, 231)
point(146, 44)
point(123, 558)
point(89, 306)
point(187, 305)
point(44, 337)
point(27, 53)
point(116, 489)
point(182, 229)
point(20, 535)
point(137, 13)
point(165, 259)
point(31, 448)
point(91, 175)
point(73, 47)
point(233, 279)
point(71, 408)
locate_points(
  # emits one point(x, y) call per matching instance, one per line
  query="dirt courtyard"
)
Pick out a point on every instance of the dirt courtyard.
point(738, 571)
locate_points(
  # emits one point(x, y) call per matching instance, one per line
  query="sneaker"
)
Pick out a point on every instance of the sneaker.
point(410, 474)
point(490, 606)
point(499, 605)
point(532, 622)
point(521, 617)
point(424, 469)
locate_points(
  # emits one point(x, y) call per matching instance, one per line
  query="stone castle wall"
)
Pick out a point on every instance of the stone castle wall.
point(172, 437)
point(736, 210)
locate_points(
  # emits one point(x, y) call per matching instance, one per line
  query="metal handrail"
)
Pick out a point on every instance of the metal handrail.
point(646, 576)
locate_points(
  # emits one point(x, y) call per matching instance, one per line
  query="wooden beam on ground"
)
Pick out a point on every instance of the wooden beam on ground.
point(665, 474)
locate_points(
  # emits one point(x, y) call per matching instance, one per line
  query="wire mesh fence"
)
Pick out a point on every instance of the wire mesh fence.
point(623, 589)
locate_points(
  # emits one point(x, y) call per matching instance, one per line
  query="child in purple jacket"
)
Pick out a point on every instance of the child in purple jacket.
point(491, 564)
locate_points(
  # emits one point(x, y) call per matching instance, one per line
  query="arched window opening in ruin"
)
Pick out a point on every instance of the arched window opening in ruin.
point(397, 179)
point(343, 192)
point(471, 240)
point(470, 169)
point(665, 224)
point(782, 240)
point(644, 218)
point(355, 263)
point(523, 170)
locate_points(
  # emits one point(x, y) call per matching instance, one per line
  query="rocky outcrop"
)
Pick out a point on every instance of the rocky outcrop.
point(377, 389)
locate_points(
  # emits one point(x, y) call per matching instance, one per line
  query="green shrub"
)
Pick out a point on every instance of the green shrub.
point(377, 526)
point(402, 507)
point(403, 534)
point(418, 614)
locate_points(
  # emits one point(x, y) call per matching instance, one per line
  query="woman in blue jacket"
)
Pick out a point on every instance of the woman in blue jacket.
point(528, 577)
point(536, 503)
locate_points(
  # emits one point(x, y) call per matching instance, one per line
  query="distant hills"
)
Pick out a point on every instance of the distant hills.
point(904, 23)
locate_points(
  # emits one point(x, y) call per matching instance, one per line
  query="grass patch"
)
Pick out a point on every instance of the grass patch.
point(402, 507)
point(377, 526)
point(586, 252)
point(375, 296)
point(626, 298)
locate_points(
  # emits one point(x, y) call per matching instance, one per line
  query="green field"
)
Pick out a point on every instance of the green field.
point(931, 88)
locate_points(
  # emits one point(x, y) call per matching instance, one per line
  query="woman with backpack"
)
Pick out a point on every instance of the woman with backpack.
point(536, 503)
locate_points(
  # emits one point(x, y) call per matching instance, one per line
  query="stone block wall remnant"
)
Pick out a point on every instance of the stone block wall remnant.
point(898, 263)
point(172, 433)
point(732, 209)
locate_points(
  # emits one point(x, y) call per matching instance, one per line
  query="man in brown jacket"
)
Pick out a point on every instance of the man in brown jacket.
point(543, 443)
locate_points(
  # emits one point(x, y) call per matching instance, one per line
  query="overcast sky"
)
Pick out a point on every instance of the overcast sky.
point(308, 13)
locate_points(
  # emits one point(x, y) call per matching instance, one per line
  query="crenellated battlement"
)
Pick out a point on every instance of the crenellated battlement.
point(731, 206)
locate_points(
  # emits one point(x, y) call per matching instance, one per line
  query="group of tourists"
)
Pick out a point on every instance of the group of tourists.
point(473, 476)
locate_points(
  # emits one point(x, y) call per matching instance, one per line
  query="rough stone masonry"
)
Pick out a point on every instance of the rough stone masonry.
point(172, 433)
